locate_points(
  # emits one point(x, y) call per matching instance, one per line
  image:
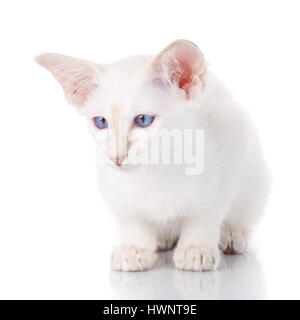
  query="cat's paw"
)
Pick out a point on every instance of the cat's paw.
point(196, 258)
point(128, 258)
point(234, 239)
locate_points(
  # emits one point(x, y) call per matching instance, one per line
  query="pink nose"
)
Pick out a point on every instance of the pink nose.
point(117, 160)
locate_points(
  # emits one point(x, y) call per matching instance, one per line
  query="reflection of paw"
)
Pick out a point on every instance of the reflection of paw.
point(192, 285)
point(133, 285)
point(233, 239)
point(127, 258)
point(196, 258)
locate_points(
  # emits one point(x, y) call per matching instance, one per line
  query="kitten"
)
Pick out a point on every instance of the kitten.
point(201, 202)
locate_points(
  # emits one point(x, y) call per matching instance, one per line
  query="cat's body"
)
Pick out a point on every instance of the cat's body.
point(158, 205)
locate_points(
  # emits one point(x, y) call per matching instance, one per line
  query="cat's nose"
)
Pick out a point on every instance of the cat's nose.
point(117, 149)
point(117, 160)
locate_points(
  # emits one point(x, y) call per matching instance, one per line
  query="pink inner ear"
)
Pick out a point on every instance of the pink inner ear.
point(184, 64)
point(77, 82)
point(79, 90)
point(185, 76)
point(77, 77)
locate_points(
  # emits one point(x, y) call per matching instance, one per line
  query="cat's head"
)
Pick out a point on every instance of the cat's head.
point(124, 102)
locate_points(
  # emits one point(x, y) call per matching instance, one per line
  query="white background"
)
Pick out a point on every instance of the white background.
point(55, 231)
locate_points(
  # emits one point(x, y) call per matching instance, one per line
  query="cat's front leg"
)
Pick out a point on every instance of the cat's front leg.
point(197, 248)
point(136, 251)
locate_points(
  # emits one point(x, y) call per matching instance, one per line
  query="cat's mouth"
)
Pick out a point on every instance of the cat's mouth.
point(126, 166)
point(123, 166)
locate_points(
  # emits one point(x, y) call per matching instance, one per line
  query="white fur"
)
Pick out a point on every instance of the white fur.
point(157, 205)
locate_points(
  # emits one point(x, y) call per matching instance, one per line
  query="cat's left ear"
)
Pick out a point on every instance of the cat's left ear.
point(180, 64)
point(79, 78)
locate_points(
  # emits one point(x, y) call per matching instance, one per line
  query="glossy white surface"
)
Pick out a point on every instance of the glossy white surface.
point(239, 277)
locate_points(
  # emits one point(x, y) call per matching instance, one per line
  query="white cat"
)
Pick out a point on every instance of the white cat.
point(158, 205)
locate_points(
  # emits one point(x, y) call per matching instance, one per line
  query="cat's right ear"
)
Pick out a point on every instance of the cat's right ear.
point(79, 78)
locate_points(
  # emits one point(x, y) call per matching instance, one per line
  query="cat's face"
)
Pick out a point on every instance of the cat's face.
point(127, 103)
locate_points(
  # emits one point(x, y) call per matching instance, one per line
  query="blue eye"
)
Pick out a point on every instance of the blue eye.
point(100, 122)
point(144, 120)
